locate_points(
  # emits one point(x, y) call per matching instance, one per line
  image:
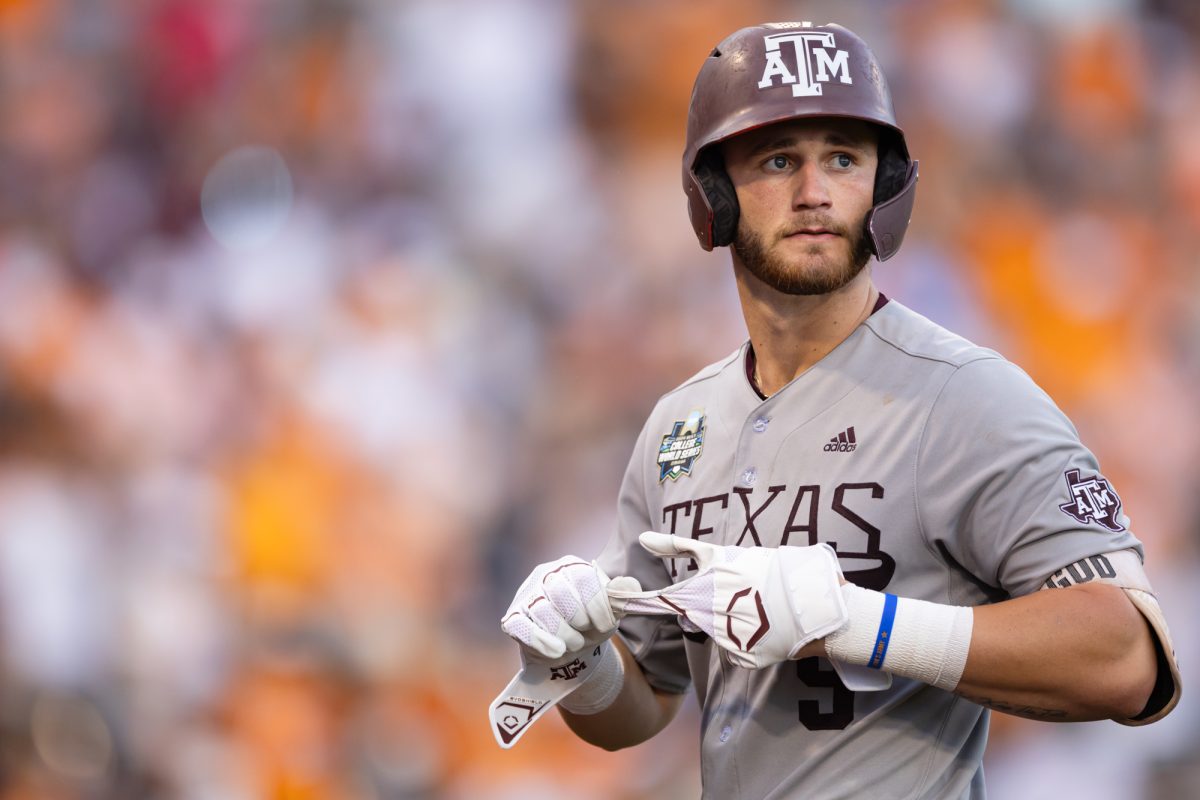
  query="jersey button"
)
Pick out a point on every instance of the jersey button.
point(761, 423)
point(750, 476)
point(726, 732)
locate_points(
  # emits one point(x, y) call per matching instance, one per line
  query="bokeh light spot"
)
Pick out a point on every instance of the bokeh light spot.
point(247, 196)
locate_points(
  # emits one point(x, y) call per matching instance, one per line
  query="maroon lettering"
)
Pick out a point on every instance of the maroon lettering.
point(811, 526)
point(818, 673)
point(863, 563)
point(674, 509)
point(876, 577)
point(697, 526)
point(749, 528)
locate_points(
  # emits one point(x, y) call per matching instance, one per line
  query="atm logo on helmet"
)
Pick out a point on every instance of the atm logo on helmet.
point(816, 57)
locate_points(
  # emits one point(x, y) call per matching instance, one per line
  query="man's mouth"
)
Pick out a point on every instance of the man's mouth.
point(813, 232)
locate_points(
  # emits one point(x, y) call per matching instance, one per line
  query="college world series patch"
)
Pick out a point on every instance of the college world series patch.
point(681, 447)
point(1093, 500)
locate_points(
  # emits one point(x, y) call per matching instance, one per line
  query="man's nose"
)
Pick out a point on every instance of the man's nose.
point(812, 188)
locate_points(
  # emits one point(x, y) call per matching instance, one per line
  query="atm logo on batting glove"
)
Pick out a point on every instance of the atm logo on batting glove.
point(1093, 500)
point(567, 672)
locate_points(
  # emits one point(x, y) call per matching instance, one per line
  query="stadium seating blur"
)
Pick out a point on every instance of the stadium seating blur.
point(321, 323)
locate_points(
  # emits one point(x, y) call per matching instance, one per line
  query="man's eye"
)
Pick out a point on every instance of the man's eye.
point(778, 162)
point(843, 161)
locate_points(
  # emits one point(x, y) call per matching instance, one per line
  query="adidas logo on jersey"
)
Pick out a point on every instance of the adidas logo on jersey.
point(844, 442)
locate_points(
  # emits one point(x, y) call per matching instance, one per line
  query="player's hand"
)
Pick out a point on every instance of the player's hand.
point(562, 609)
point(760, 605)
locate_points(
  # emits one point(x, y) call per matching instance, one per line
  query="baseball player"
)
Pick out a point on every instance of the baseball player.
point(857, 533)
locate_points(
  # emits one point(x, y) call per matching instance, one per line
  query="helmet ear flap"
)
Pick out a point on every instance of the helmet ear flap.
point(891, 172)
point(722, 197)
point(887, 221)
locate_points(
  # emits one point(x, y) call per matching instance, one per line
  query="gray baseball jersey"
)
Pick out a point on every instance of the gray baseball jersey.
point(935, 468)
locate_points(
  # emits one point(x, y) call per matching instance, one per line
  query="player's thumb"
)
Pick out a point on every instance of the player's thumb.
point(668, 545)
point(619, 590)
point(624, 584)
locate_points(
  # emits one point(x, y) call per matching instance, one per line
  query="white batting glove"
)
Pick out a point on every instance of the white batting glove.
point(562, 619)
point(760, 605)
point(562, 610)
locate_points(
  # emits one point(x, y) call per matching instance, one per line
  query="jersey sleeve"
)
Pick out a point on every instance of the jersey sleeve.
point(1004, 486)
point(656, 642)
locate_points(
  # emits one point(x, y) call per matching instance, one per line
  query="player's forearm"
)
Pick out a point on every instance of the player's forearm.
point(1074, 654)
point(1070, 654)
point(638, 713)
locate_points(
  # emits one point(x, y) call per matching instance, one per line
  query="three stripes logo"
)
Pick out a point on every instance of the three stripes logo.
point(844, 442)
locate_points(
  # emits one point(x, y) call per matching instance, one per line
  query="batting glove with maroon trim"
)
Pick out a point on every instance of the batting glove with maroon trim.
point(562, 610)
point(760, 605)
point(562, 620)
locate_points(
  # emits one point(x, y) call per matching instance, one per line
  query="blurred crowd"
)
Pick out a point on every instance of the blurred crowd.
point(325, 320)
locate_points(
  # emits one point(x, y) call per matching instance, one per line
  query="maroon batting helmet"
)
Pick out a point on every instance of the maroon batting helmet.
point(780, 71)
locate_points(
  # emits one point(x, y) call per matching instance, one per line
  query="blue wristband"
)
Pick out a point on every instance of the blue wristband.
point(879, 651)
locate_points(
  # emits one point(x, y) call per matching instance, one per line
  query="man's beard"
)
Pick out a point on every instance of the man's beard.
point(777, 273)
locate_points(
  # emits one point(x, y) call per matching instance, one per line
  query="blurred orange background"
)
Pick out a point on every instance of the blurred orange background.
point(323, 322)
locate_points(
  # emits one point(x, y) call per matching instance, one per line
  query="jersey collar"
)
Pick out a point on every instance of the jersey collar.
point(752, 360)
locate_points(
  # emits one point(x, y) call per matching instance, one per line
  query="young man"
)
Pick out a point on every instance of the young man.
point(865, 531)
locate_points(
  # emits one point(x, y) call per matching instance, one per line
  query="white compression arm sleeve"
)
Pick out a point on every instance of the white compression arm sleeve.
point(906, 637)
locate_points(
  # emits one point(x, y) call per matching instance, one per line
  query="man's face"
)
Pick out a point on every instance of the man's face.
point(804, 187)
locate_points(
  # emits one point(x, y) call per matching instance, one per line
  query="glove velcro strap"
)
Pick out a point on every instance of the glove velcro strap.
point(906, 637)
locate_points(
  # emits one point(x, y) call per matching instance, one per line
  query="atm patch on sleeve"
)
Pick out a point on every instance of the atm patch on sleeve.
point(1093, 500)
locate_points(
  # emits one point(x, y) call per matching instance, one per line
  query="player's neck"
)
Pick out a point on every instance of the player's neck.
point(791, 333)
